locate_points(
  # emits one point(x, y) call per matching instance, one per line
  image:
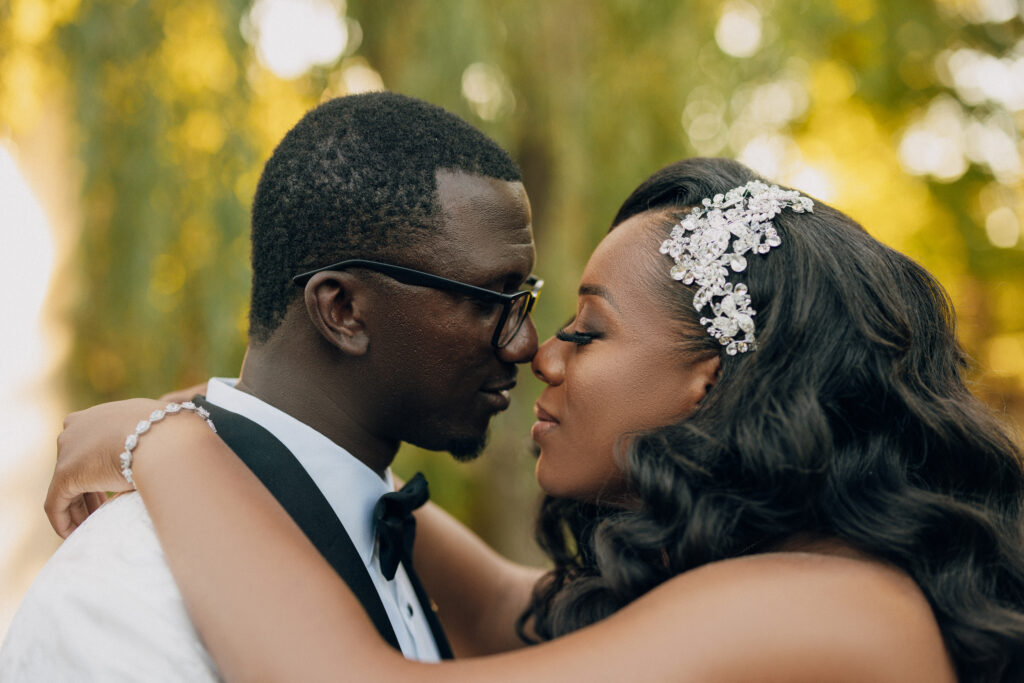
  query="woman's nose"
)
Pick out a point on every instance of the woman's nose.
point(548, 365)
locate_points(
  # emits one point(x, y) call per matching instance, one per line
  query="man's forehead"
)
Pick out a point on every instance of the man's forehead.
point(487, 224)
point(475, 199)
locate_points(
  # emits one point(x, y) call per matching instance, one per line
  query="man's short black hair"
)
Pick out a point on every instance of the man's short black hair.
point(355, 178)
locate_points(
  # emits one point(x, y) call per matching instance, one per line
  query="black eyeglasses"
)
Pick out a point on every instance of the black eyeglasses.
point(515, 307)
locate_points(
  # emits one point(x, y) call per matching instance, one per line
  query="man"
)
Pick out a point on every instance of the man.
point(390, 245)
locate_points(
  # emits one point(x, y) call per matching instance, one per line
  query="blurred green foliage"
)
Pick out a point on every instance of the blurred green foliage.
point(174, 114)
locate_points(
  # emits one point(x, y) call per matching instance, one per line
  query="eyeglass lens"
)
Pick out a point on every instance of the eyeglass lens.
point(514, 320)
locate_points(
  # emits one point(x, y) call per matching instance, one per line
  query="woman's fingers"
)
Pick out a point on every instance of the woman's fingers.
point(61, 512)
point(93, 501)
point(88, 460)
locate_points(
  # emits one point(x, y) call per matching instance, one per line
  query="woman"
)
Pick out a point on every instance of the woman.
point(761, 463)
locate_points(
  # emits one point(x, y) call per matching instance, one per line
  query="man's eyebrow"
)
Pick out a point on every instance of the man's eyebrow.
point(506, 281)
point(598, 290)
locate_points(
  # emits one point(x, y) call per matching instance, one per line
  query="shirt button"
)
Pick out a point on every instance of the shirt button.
point(409, 607)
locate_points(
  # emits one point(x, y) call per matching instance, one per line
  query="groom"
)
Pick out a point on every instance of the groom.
point(391, 244)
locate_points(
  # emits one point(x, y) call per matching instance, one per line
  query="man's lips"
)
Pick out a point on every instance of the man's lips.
point(499, 393)
point(500, 387)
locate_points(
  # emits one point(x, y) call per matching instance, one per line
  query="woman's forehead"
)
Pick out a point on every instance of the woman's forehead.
point(630, 246)
point(626, 264)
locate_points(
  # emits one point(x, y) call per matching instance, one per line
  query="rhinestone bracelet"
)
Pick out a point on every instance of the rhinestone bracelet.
point(133, 439)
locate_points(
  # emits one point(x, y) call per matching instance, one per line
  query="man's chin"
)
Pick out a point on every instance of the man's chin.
point(467, 449)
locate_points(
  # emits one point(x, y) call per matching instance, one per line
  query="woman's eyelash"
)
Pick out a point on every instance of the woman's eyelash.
point(578, 338)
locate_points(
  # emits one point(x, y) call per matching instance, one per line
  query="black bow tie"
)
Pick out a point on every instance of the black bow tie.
point(396, 527)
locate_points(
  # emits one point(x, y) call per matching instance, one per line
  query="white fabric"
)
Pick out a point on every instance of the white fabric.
point(105, 606)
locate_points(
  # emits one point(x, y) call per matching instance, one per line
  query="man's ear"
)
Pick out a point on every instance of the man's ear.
point(336, 303)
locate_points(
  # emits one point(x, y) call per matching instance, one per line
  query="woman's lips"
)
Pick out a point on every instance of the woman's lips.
point(544, 424)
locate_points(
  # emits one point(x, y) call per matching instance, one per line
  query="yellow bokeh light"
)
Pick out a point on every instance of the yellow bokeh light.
point(168, 274)
point(193, 51)
point(23, 76)
point(30, 20)
point(831, 83)
point(204, 131)
point(197, 240)
point(242, 322)
point(855, 150)
point(1005, 355)
point(245, 185)
point(280, 104)
point(857, 11)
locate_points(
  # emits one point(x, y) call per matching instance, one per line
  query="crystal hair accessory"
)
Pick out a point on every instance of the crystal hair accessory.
point(713, 239)
point(132, 439)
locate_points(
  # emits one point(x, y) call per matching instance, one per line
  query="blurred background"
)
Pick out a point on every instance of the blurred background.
point(132, 134)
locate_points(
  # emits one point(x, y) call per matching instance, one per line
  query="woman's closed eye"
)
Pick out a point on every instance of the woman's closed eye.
point(580, 338)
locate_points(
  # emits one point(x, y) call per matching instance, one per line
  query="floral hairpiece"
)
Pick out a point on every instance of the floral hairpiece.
point(713, 238)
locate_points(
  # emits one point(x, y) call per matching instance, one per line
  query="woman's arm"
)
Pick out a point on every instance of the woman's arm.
point(479, 593)
point(270, 608)
point(85, 471)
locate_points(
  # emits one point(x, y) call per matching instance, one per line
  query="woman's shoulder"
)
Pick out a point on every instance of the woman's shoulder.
point(816, 615)
point(827, 571)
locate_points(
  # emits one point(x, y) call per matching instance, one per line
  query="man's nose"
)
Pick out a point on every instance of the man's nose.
point(523, 346)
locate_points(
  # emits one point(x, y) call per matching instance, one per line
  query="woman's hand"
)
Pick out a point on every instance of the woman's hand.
point(88, 460)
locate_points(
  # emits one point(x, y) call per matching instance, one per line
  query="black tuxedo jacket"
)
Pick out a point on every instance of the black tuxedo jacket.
point(293, 488)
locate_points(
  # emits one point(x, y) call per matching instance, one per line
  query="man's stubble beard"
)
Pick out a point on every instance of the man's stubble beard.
point(467, 449)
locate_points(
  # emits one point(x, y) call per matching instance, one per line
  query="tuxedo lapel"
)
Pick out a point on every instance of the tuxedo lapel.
point(293, 488)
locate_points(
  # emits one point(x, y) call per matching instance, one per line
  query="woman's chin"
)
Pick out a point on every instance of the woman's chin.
point(549, 481)
point(561, 484)
point(607, 488)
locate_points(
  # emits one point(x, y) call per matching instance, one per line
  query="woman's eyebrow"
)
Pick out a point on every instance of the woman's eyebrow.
point(598, 290)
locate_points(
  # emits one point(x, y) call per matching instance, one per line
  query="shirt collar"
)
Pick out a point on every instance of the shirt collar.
point(350, 487)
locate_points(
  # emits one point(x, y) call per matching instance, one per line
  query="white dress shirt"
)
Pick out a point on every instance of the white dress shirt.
point(352, 490)
point(105, 606)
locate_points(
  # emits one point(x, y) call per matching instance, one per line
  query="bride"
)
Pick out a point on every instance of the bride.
point(761, 463)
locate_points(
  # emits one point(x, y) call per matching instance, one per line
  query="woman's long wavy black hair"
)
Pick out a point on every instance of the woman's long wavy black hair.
point(851, 421)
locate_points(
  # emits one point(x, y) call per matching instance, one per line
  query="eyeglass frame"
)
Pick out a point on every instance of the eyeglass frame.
point(420, 278)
